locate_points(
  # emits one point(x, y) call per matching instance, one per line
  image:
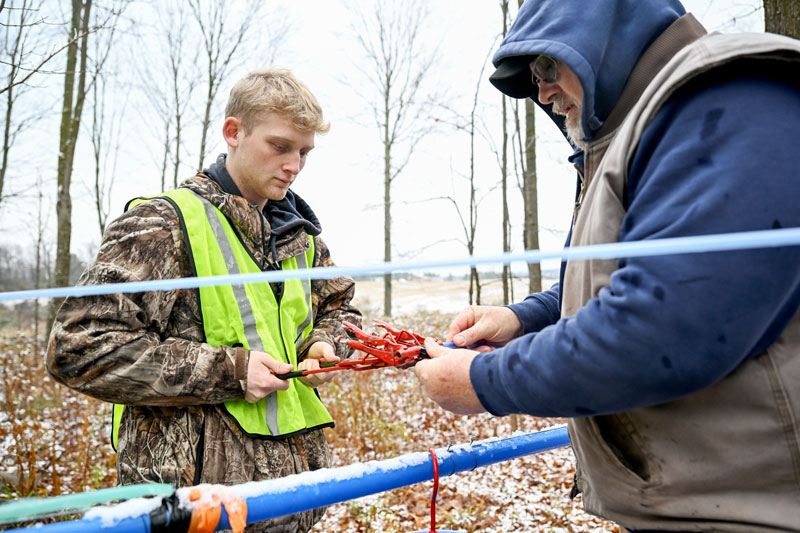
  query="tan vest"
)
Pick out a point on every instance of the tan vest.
point(726, 458)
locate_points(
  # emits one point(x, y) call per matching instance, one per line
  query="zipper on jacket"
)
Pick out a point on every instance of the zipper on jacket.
point(581, 193)
point(279, 298)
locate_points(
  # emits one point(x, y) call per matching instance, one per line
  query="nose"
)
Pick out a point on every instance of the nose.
point(547, 91)
point(293, 163)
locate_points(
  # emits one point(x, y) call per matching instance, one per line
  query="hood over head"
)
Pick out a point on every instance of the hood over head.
point(600, 41)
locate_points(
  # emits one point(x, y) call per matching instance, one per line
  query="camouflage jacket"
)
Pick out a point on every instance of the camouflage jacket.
point(147, 351)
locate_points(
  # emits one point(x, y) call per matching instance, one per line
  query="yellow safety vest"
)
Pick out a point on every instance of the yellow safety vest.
point(249, 315)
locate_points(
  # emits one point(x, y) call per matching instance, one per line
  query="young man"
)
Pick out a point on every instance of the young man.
point(679, 374)
point(192, 371)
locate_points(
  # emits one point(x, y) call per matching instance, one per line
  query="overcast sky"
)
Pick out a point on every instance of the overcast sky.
point(343, 177)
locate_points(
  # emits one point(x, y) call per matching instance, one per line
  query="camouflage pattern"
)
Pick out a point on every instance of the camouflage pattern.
point(146, 350)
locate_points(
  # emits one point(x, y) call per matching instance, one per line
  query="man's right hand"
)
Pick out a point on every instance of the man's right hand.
point(260, 376)
point(484, 323)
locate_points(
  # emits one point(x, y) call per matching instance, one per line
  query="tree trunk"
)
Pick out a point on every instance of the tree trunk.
point(71, 110)
point(783, 17)
point(387, 206)
point(506, 222)
point(206, 121)
point(15, 54)
point(530, 232)
point(38, 268)
point(164, 159)
point(176, 169)
point(6, 135)
point(504, 177)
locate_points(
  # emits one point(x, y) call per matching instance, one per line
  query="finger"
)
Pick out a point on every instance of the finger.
point(324, 352)
point(464, 320)
point(277, 384)
point(434, 349)
point(328, 356)
point(316, 379)
point(277, 367)
point(308, 364)
point(470, 335)
point(420, 369)
point(484, 348)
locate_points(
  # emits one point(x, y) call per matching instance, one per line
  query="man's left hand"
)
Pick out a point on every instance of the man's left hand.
point(445, 378)
point(318, 354)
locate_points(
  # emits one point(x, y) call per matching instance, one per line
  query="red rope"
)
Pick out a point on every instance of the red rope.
point(435, 490)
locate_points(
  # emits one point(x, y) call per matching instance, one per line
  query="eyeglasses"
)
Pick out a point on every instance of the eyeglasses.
point(545, 69)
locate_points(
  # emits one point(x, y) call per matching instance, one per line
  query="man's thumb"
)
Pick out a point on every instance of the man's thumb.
point(278, 367)
point(466, 338)
point(433, 348)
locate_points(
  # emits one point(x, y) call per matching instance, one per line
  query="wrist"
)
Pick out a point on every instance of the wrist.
point(240, 363)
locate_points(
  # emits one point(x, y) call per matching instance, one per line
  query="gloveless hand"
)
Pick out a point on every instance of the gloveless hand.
point(318, 354)
point(484, 323)
point(445, 378)
point(261, 380)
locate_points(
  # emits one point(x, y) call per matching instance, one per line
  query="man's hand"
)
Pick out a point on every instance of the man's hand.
point(445, 378)
point(260, 378)
point(318, 354)
point(486, 323)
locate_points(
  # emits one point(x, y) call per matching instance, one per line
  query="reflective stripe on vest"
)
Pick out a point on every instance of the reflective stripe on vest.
point(249, 315)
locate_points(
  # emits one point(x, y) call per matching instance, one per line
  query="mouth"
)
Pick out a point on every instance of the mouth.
point(566, 110)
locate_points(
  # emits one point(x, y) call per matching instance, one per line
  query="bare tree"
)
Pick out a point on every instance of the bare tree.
point(394, 71)
point(506, 222)
point(105, 130)
point(470, 226)
point(105, 145)
point(24, 69)
point(528, 187)
point(20, 22)
point(168, 84)
point(223, 40)
point(782, 16)
point(474, 127)
point(526, 182)
point(41, 219)
point(71, 111)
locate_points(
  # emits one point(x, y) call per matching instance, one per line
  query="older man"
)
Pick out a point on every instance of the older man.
point(679, 374)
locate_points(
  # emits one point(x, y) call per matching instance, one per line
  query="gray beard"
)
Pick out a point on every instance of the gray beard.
point(575, 131)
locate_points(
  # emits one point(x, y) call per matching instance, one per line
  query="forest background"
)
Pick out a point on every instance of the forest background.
point(106, 100)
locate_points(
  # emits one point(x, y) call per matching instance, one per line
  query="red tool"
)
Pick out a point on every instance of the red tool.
point(397, 347)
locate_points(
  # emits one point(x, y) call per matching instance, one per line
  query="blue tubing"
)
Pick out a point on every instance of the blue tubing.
point(137, 524)
point(287, 496)
point(309, 490)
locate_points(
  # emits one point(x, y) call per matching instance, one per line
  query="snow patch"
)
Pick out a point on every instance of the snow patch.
point(111, 516)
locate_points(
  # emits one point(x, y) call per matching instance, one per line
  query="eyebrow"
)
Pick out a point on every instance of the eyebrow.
point(288, 141)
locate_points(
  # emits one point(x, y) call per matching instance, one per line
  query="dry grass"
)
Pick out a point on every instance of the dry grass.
point(54, 441)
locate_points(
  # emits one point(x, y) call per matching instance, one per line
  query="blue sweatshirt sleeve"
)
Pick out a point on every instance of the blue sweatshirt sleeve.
point(538, 310)
point(720, 156)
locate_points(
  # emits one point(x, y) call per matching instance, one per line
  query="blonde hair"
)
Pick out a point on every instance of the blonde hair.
point(275, 90)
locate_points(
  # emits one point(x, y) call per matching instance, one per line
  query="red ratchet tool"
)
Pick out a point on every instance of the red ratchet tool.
point(397, 347)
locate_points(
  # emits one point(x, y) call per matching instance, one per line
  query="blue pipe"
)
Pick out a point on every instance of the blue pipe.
point(309, 490)
point(137, 524)
point(294, 494)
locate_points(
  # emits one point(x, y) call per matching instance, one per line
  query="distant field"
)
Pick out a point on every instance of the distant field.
point(410, 296)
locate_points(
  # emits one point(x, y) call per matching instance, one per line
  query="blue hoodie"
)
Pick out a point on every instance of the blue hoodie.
point(720, 156)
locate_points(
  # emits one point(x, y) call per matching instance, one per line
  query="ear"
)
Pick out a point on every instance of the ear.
point(232, 131)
